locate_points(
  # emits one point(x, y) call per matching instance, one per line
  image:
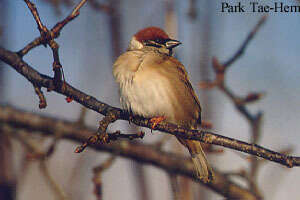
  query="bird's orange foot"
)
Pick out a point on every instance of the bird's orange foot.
point(157, 120)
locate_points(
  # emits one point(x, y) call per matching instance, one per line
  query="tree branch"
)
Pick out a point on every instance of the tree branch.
point(143, 153)
point(15, 61)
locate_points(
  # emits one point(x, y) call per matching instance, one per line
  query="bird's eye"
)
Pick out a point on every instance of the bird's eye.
point(159, 41)
point(153, 43)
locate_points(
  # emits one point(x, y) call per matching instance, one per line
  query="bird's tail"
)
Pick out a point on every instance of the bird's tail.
point(202, 167)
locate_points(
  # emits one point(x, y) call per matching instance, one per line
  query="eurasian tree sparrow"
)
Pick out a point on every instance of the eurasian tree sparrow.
point(153, 84)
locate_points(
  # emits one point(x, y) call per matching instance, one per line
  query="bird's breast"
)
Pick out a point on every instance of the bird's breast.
point(147, 94)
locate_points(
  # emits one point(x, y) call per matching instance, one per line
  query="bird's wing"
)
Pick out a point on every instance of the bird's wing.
point(173, 69)
point(185, 78)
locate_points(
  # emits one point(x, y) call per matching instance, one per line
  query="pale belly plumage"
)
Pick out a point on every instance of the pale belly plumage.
point(148, 95)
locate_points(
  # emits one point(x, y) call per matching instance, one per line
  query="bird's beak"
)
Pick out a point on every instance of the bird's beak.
point(172, 43)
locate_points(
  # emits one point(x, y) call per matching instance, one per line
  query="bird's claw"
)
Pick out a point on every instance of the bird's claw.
point(156, 120)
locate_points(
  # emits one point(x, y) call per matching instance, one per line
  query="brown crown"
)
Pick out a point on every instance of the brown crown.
point(151, 33)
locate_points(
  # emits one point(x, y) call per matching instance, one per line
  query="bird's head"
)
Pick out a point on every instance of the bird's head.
point(153, 37)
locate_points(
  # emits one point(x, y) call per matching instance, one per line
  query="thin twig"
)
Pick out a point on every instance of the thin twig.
point(97, 179)
point(77, 8)
point(246, 42)
point(104, 137)
point(51, 181)
point(107, 138)
point(54, 32)
point(43, 29)
point(40, 94)
point(101, 136)
point(57, 67)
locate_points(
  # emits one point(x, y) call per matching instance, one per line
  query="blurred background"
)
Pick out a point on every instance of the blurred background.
point(90, 44)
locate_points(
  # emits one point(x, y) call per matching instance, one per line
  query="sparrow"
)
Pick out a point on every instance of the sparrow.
point(154, 84)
